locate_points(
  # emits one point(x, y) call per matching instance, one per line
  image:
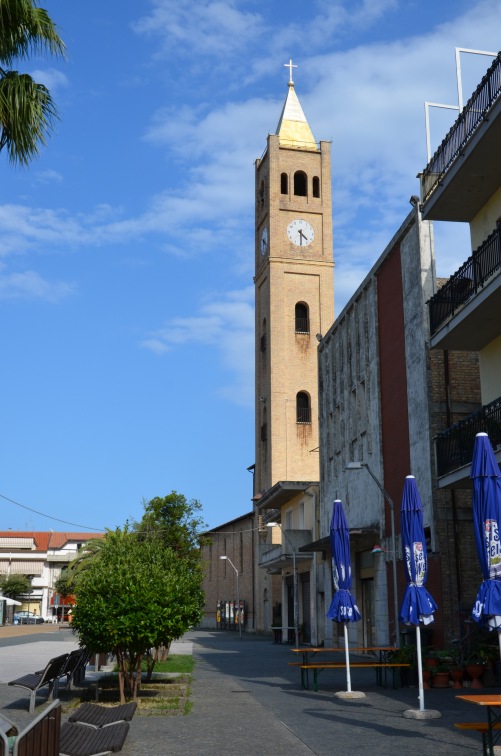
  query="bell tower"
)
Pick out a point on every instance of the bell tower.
point(294, 295)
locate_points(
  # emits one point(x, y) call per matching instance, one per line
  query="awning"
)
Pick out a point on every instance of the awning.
point(10, 602)
point(21, 567)
point(14, 544)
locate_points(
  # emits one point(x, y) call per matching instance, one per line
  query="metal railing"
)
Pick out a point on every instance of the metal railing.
point(303, 415)
point(461, 132)
point(464, 284)
point(302, 325)
point(454, 447)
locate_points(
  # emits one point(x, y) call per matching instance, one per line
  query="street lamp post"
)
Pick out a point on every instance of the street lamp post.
point(227, 558)
point(294, 573)
point(359, 466)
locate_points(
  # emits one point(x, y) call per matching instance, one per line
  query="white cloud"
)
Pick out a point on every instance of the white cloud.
point(51, 78)
point(211, 28)
point(30, 285)
point(48, 176)
point(225, 324)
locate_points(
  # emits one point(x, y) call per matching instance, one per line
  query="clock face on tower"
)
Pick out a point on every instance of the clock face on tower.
point(300, 232)
point(264, 241)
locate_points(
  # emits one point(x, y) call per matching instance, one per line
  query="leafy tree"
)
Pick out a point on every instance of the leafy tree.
point(135, 595)
point(176, 521)
point(27, 111)
point(15, 586)
point(64, 585)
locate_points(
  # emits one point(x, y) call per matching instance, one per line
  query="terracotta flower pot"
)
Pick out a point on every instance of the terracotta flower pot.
point(475, 671)
point(457, 674)
point(441, 680)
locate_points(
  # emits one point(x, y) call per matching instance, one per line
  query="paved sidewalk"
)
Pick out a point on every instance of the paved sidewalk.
point(247, 699)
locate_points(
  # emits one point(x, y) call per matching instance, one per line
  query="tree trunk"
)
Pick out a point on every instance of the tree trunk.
point(121, 675)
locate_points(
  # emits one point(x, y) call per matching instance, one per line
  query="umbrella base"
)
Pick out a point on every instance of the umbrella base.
point(347, 694)
point(418, 714)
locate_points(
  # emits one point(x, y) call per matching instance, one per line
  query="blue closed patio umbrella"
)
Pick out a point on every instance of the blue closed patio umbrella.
point(486, 522)
point(417, 605)
point(343, 607)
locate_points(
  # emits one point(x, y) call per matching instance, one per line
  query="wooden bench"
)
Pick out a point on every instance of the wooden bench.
point(481, 727)
point(97, 716)
point(39, 738)
point(82, 740)
point(47, 677)
point(319, 666)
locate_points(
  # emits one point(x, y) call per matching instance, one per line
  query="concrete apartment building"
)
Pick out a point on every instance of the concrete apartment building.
point(41, 557)
point(462, 183)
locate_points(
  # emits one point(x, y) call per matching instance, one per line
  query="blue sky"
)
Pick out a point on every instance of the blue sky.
point(126, 249)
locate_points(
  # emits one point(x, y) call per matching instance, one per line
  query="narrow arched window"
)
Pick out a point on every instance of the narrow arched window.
point(284, 183)
point(263, 336)
point(261, 193)
point(300, 184)
point(264, 427)
point(301, 318)
point(315, 186)
point(303, 408)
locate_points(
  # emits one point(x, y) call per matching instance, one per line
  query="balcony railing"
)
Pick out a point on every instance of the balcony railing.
point(468, 121)
point(455, 445)
point(464, 284)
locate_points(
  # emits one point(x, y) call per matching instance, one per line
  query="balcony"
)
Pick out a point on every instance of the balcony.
point(454, 447)
point(464, 313)
point(277, 557)
point(464, 172)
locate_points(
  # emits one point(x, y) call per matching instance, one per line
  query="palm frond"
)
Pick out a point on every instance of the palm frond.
point(27, 115)
point(26, 29)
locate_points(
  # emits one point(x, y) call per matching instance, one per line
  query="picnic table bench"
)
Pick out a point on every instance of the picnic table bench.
point(489, 729)
point(379, 661)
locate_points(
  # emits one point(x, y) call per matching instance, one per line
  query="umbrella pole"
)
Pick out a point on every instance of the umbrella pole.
point(420, 668)
point(347, 657)
point(499, 638)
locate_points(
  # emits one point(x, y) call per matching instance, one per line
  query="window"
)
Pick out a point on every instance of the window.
point(303, 409)
point(315, 184)
point(263, 336)
point(264, 427)
point(300, 184)
point(301, 317)
point(284, 183)
point(261, 193)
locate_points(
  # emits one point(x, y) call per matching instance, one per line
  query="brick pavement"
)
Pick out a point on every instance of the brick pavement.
point(246, 698)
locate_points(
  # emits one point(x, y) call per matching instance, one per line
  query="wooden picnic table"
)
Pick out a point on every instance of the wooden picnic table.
point(490, 730)
point(379, 662)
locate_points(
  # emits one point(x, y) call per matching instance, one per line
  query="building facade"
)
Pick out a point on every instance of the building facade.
point(462, 183)
point(41, 557)
point(230, 581)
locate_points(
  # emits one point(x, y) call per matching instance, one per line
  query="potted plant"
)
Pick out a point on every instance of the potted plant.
point(405, 655)
point(474, 666)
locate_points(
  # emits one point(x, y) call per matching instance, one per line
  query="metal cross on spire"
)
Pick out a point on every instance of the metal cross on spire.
point(290, 65)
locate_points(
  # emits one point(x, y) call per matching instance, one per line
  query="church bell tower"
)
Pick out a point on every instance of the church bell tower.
point(294, 295)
